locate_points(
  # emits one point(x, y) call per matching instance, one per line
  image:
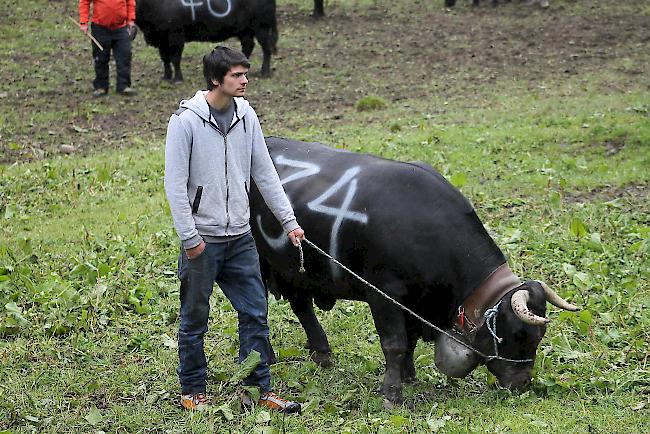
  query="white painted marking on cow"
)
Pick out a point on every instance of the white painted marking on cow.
point(348, 177)
point(318, 204)
point(220, 14)
point(193, 4)
point(276, 243)
point(309, 169)
point(341, 213)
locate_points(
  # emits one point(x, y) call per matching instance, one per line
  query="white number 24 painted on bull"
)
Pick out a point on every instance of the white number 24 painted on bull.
point(317, 205)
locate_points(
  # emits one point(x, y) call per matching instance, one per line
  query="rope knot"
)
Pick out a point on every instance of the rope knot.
point(491, 322)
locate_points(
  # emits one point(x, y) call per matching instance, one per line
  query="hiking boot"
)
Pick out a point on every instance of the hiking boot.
point(194, 401)
point(100, 92)
point(128, 91)
point(272, 401)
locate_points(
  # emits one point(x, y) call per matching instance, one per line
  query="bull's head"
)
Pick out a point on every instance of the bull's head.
point(520, 325)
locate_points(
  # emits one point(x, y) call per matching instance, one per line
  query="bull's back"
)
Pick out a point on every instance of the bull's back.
point(209, 20)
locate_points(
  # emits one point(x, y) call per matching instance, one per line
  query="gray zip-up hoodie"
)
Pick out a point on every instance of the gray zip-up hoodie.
point(208, 172)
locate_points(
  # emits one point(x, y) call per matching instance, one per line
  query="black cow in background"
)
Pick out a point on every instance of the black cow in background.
point(404, 228)
point(169, 24)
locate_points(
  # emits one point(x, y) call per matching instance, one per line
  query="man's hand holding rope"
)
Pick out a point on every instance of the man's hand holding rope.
point(296, 236)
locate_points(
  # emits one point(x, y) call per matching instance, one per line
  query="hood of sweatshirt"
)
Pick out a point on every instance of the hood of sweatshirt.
point(199, 105)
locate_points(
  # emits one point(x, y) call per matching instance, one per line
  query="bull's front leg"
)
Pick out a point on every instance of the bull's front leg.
point(408, 364)
point(265, 36)
point(391, 327)
point(319, 347)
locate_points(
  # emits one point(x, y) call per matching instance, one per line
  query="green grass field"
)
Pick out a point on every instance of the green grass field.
point(540, 117)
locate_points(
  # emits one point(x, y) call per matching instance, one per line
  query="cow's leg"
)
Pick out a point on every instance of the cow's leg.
point(264, 36)
point(247, 43)
point(319, 11)
point(176, 45)
point(391, 326)
point(319, 348)
point(408, 365)
point(450, 3)
point(163, 49)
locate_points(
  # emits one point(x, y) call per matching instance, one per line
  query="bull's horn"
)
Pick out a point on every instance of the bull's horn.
point(556, 300)
point(519, 303)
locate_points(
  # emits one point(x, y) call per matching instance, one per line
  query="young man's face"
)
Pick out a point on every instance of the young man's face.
point(235, 81)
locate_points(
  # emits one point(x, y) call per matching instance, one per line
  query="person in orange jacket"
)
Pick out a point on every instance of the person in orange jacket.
point(113, 25)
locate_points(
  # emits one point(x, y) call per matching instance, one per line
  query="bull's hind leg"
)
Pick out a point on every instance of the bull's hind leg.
point(264, 36)
point(176, 44)
point(247, 43)
point(164, 56)
point(319, 348)
point(303, 308)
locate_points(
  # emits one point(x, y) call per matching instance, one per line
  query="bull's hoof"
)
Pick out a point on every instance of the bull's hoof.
point(167, 77)
point(392, 394)
point(265, 74)
point(410, 379)
point(322, 358)
point(408, 373)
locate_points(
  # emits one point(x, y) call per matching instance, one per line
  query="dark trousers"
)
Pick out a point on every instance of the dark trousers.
point(235, 267)
point(119, 42)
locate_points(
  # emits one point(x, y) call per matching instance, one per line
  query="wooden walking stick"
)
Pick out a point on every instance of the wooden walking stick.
point(92, 38)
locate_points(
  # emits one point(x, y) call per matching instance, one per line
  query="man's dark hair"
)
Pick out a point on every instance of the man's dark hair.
point(219, 61)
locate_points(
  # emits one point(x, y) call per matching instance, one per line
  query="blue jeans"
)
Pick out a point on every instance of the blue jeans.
point(235, 266)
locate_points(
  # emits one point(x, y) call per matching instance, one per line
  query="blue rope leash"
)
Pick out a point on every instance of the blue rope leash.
point(491, 323)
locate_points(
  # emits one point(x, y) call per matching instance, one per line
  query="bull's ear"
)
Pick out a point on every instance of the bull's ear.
point(519, 304)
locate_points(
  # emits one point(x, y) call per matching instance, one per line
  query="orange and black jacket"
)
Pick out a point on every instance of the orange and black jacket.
point(112, 14)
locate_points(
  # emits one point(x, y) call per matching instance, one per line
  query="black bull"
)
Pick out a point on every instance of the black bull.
point(405, 229)
point(169, 24)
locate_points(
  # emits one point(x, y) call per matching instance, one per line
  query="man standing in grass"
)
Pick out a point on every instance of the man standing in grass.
point(214, 146)
point(113, 24)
